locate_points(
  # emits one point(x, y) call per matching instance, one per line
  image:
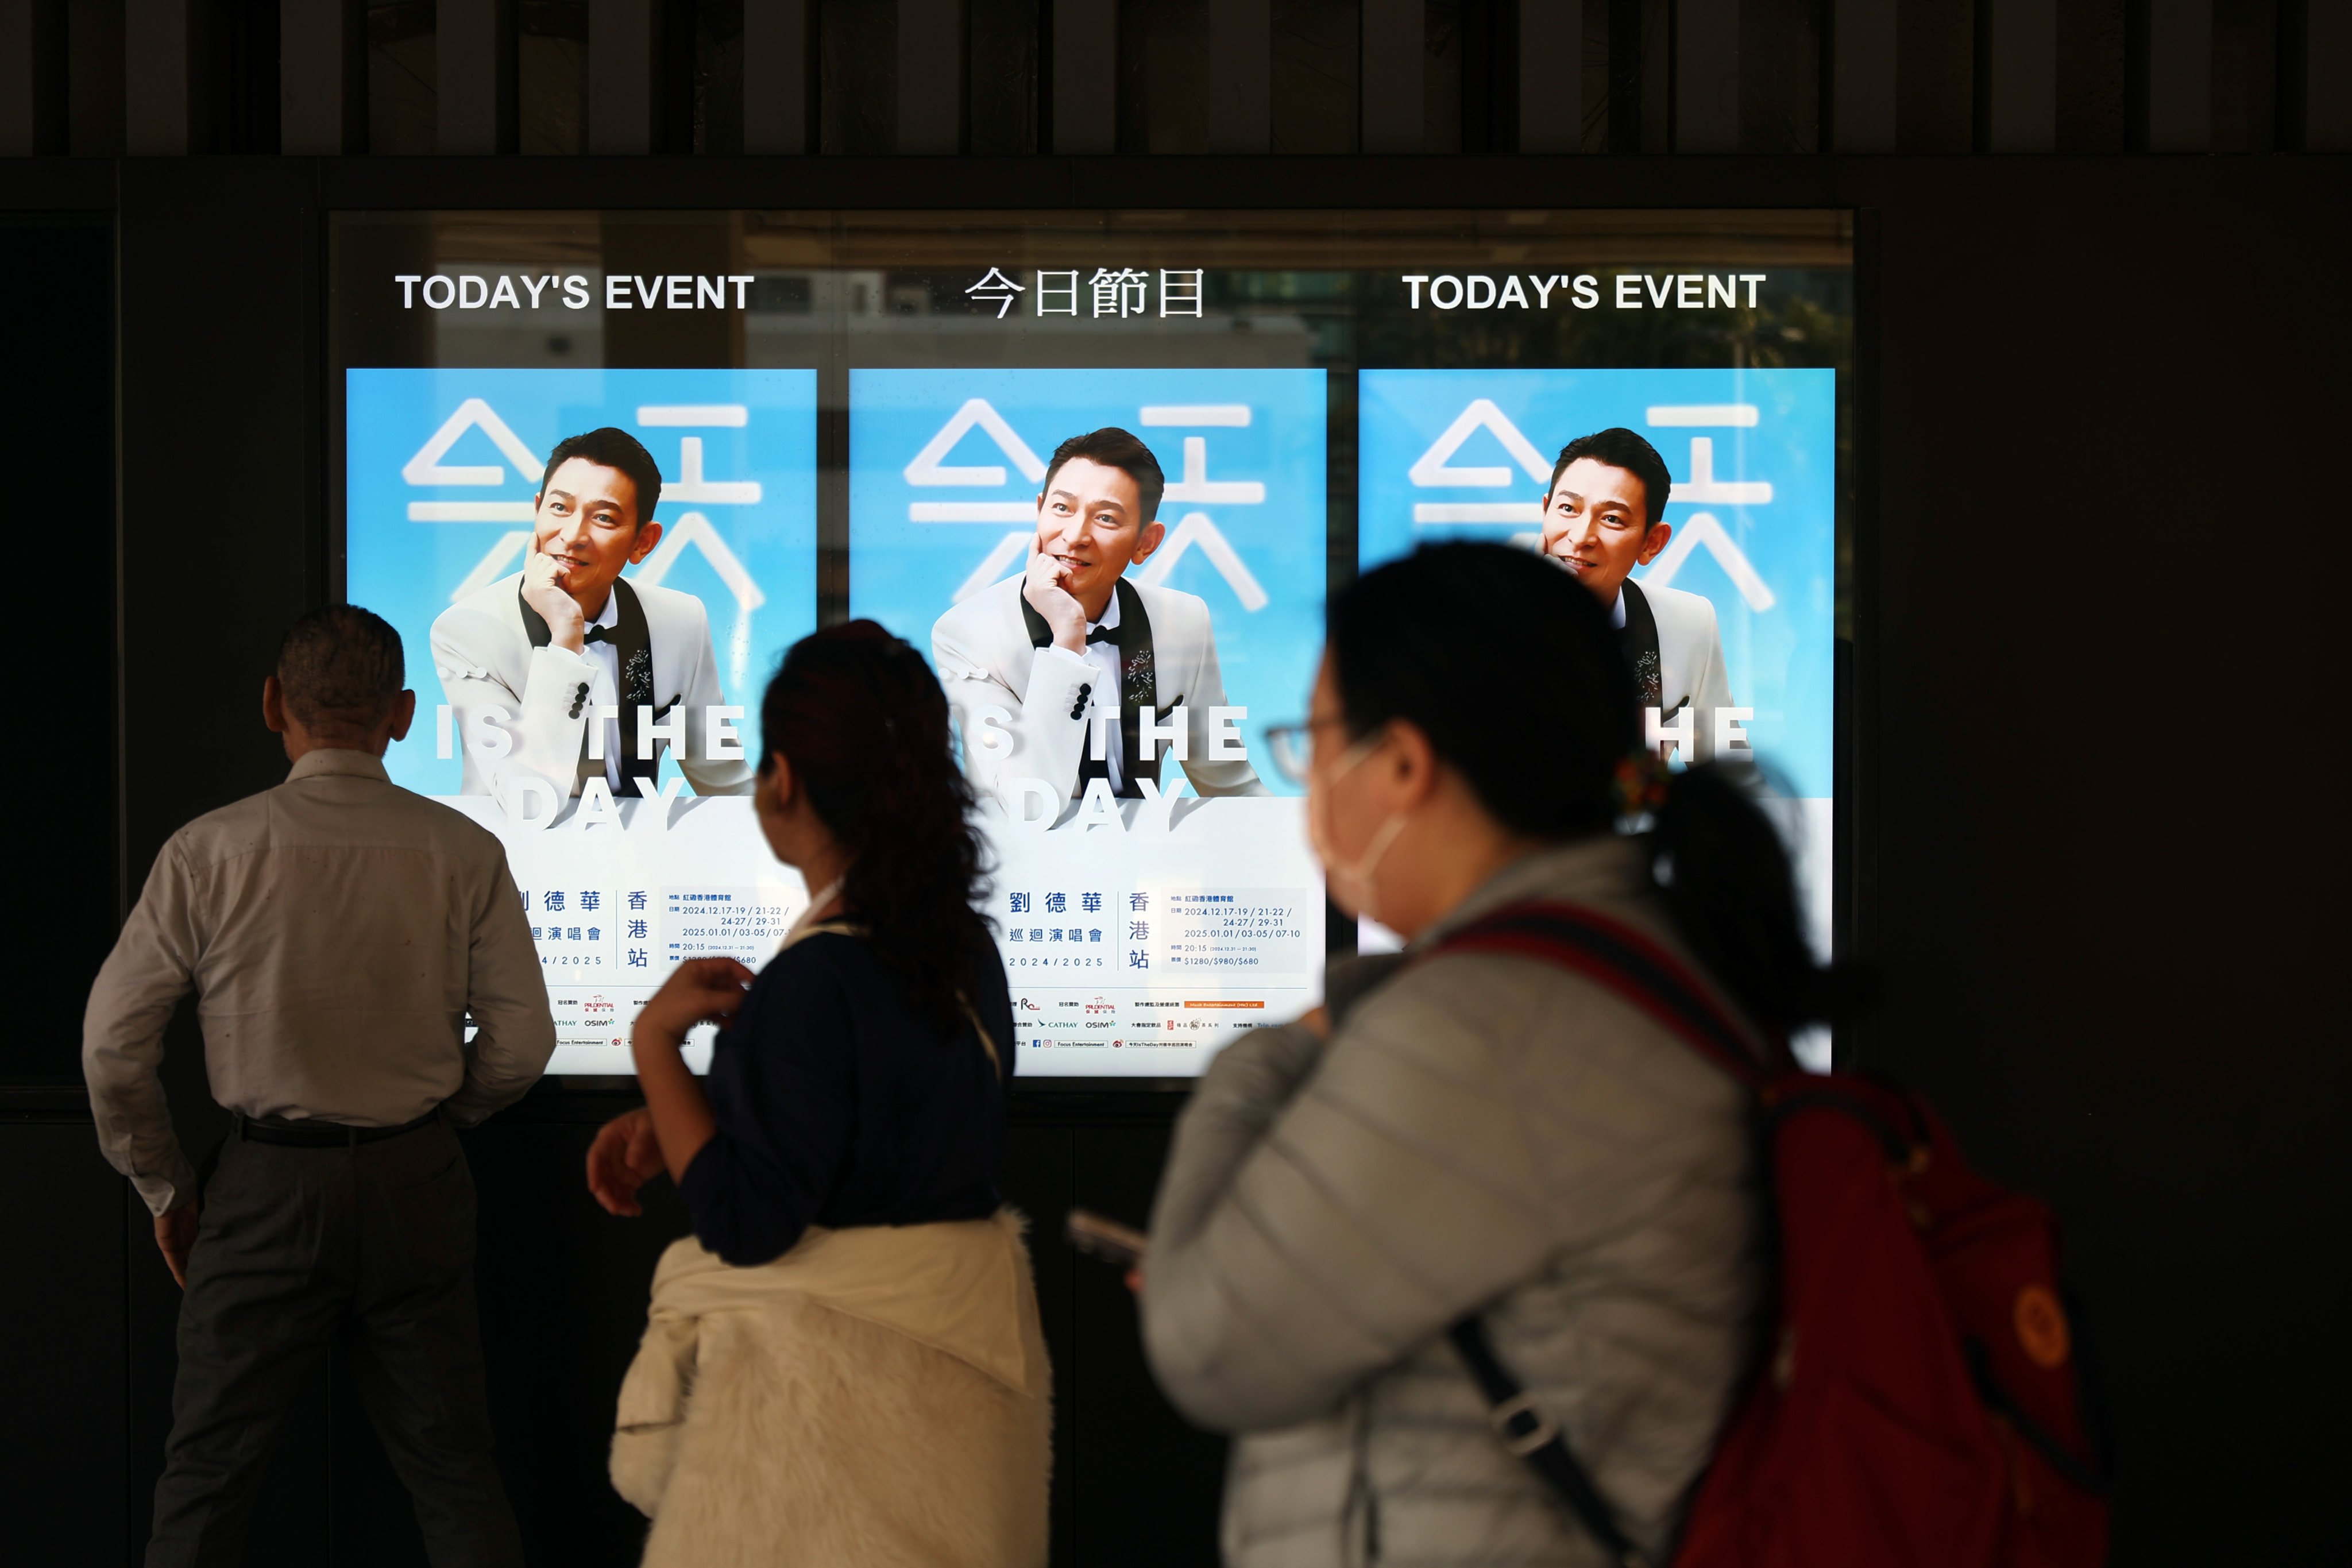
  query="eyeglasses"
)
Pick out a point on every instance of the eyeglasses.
point(1292, 747)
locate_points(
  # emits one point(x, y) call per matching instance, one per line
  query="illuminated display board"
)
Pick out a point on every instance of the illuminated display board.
point(853, 414)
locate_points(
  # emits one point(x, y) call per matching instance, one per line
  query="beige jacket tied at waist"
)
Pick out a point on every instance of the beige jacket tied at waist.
point(877, 1395)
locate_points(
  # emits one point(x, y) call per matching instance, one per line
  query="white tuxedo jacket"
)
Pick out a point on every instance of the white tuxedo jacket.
point(985, 659)
point(1692, 675)
point(485, 659)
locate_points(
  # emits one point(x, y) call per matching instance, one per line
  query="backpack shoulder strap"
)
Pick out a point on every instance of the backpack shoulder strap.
point(1629, 963)
point(1536, 1438)
point(1637, 968)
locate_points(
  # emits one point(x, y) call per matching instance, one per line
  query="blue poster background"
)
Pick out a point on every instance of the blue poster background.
point(1244, 453)
point(1725, 435)
point(411, 544)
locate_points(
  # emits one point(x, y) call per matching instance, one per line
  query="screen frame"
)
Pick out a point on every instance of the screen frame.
point(383, 188)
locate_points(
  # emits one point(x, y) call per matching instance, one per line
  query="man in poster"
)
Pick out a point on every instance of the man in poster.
point(1601, 519)
point(1031, 662)
point(565, 638)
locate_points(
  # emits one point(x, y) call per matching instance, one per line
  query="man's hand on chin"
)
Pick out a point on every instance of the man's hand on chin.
point(1043, 588)
point(566, 626)
point(175, 1237)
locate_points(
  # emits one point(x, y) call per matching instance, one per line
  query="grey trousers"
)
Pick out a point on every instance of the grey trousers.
point(293, 1246)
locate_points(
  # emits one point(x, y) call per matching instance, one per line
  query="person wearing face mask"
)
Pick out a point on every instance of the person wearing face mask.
point(1604, 515)
point(1052, 673)
point(1459, 1132)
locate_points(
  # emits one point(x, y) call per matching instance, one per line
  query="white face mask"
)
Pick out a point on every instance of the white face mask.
point(1350, 883)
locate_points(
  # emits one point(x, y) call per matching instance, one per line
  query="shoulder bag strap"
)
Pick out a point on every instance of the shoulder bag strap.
point(987, 1041)
point(846, 928)
point(823, 928)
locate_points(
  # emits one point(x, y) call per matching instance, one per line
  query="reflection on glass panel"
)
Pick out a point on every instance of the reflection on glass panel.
point(551, 70)
point(718, 77)
point(1003, 94)
point(1316, 65)
point(858, 53)
point(402, 72)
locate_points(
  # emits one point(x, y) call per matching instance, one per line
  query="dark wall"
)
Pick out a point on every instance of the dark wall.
point(64, 1245)
point(2104, 834)
point(57, 400)
point(2100, 411)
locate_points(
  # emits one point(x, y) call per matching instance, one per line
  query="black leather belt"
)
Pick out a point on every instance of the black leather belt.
point(326, 1134)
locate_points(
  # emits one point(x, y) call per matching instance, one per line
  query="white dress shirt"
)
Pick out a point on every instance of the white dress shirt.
point(336, 931)
point(1104, 656)
point(1005, 688)
point(1692, 672)
point(604, 690)
point(482, 651)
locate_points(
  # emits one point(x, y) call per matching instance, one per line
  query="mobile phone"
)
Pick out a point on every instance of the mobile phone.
point(1113, 1243)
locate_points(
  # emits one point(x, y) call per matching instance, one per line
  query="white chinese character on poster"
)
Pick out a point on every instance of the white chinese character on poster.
point(1193, 489)
point(1436, 468)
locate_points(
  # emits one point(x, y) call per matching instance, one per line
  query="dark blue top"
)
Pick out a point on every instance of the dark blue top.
point(838, 1105)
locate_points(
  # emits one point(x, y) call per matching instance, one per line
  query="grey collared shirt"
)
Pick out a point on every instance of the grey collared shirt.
point(336, 931)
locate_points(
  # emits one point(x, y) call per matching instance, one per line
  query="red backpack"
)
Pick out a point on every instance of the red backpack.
point(1918, 1402)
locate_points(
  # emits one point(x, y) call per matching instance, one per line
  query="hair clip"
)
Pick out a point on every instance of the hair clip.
point(1641, 781)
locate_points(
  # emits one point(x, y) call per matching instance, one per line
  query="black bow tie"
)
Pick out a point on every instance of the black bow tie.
point(604, 634)
point(1103, 634)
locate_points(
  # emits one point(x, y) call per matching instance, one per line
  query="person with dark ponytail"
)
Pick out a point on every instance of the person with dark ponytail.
point(844, 1362)
point(1459, 1132)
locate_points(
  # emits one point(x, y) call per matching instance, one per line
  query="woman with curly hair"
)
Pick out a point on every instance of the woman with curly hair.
point(842, 1364)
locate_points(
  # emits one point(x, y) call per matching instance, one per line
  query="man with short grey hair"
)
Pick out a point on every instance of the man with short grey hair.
point(339, 934)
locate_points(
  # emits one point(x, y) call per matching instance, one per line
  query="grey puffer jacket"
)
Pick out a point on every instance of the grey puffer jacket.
point(1481, 1133)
